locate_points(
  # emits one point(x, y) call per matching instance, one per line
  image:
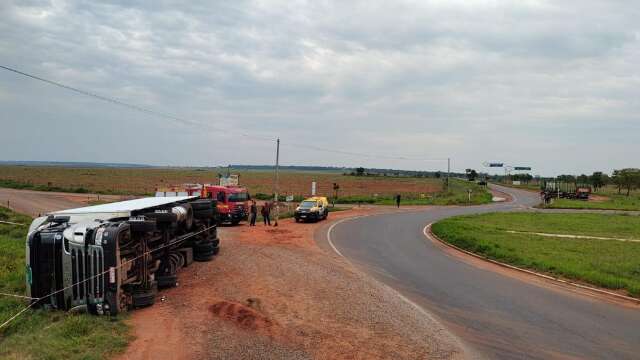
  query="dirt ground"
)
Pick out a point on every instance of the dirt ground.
point(598, 198)
point(34, 203)
point(273, 294)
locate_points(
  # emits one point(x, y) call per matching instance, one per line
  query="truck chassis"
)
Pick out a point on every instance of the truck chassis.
point(110, 258)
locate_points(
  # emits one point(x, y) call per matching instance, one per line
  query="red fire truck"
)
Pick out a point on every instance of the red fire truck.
point(232, 201)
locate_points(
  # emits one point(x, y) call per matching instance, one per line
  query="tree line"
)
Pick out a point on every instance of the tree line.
point(624, 179)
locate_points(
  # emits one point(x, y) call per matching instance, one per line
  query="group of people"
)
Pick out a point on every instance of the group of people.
point(265, 211)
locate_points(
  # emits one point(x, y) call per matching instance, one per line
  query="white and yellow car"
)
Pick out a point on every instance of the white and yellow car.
point(312, 209)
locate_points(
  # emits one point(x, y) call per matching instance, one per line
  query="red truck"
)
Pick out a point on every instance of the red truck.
point(232, 201)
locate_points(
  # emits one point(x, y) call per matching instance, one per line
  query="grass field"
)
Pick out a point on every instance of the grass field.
point(42, 334)
point(456, 195)
point(144, 181)
point(140, 181)
point(607, 263)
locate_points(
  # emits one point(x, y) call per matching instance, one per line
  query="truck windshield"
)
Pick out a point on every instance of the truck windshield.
point(238, 197)
point(307, 204)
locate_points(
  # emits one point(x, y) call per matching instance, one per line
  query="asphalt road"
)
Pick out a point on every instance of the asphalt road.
point(495, 315)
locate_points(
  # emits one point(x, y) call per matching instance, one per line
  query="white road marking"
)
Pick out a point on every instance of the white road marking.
point(570, 236)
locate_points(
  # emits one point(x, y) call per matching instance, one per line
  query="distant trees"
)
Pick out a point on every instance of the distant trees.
point(438, 175)
point(525, 178)
point(582, 179)
point(567, 178)
point(628, 179)
point(360, 171)
point(471, 174)
point(598, 180)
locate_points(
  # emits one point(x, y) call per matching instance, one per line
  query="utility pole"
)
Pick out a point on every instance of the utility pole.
point(448, 171)
point(277, 181)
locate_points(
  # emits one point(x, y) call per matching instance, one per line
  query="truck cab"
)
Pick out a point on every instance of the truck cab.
point(233, 202)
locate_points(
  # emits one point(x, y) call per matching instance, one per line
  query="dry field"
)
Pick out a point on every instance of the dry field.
point(144, 181)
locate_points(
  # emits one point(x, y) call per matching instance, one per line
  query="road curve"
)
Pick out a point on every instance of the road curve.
point(496, 315)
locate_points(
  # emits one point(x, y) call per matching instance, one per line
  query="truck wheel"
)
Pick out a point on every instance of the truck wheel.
point(167, 281)
point(202, 258)
point(202, 204)
point(203, 247)
point(144, 297)
point(203, 213)
point(216, 250)
point(142, 226)
point(163, 217)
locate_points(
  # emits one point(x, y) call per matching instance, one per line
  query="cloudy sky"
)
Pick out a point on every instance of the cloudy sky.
point(550, 84)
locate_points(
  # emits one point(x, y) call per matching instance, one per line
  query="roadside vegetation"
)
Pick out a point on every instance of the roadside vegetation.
point(611, 264)
point(43, 334)
point(609, 202)
point(456, 195)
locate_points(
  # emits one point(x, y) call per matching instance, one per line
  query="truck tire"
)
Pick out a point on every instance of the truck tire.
point(202, 258)
point(202, 204)
point(163, 217)
point(144, 297)
point(203, 247)
point(203, 213)
point(144, 226)
point(167, 281)
point(216, 250)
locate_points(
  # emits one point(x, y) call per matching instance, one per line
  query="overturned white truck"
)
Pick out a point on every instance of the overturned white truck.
point(113, 257)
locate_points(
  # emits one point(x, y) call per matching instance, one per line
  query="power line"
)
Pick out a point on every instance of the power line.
point(125, 104)
point(197, 124)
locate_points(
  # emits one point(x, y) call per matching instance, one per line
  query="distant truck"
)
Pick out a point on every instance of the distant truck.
point(232, 201)
point(565, 190)
point(312, 209)
point(113, 257)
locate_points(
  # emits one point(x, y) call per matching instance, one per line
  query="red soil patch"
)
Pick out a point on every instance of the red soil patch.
point(598, 198)
point(242, 315)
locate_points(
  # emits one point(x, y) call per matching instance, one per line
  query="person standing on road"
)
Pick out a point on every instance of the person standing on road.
point(398, 200)
point(253, 213)
point(266, 213)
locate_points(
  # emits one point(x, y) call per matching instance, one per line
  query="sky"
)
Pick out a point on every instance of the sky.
point(554, 85)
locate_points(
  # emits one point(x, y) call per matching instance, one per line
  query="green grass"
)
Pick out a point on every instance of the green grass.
point(457, 195)
point(615, 202)
point(606, 263)
point(43, 334)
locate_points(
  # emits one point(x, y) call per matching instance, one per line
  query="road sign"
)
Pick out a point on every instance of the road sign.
point(528, 168)
point(230, 180)
point(289, 198)
point(313, 188)
point(496, 164)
